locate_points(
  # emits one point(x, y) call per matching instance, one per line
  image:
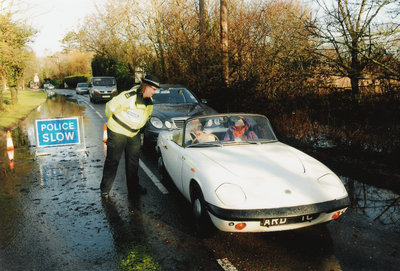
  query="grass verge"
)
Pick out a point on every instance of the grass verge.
point(139, 259)
point(28, 100)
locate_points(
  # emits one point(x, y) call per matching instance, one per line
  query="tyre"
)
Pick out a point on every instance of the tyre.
point(162, 170)
point(202, 223)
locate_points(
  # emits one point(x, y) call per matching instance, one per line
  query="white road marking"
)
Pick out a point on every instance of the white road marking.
point(226, 264)
point(94, 109)
point(152, 177)
point(99, 115)
point(150, 174)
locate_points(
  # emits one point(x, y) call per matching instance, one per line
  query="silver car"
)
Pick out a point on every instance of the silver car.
point(48, 86)
point(102, 88)
point(82, 88)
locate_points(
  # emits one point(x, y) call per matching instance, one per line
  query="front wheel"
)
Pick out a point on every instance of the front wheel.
point(162, 169)
point(202, 223)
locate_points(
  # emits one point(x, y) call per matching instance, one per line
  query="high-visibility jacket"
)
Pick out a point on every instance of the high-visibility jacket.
point(128, 112)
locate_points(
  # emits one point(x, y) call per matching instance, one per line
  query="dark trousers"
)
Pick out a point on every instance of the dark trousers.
point(116, 144)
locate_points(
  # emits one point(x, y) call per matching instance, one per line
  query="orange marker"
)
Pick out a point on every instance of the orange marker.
point(10, 155)
point(105, 136)
point(10, 145)
point(11, 164)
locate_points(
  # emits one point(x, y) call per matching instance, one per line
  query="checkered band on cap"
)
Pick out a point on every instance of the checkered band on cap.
point(151, 80)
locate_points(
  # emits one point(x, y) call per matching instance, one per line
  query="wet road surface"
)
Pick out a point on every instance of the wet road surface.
point(53, 218)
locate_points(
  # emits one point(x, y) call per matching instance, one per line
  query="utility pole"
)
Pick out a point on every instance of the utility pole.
point(224, 41)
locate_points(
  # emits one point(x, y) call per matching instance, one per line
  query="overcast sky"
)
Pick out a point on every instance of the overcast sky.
point(54, 18)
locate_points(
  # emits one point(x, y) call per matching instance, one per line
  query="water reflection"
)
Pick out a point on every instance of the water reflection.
point(54, 107)
point(376, 204)
point(17, 156)
point(11, 159)
point(17, 167)
point(24, 136)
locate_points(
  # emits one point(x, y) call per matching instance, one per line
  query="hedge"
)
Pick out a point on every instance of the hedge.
point(72, 81)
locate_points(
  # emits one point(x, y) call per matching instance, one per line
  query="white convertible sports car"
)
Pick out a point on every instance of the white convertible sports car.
point(232, 169)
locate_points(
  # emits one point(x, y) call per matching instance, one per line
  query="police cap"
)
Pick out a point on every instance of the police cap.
point(151, 80)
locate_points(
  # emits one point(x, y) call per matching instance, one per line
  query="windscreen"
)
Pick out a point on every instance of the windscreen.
point(173, 96)
point(104, 81)
point(229, 129)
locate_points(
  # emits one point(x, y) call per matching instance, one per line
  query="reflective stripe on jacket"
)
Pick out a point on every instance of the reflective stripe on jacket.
point(128, 112)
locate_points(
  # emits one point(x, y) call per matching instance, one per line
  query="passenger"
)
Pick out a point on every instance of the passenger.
point(240, 130)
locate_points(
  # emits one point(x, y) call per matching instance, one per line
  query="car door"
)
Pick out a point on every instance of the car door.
point(172, 157)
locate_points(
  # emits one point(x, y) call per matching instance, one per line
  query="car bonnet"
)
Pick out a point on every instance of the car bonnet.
point(273, 172)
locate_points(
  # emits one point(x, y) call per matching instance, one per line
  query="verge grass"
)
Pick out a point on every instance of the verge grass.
point(28, 100)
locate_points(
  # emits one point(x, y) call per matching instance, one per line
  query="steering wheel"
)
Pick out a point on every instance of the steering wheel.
point(203, 135)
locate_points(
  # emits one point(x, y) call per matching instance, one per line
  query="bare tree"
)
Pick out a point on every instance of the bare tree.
point(351, 36)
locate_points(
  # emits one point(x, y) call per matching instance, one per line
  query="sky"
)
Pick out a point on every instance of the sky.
point(55, 18)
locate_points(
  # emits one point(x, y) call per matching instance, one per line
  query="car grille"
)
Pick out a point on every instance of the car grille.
point(179, 122)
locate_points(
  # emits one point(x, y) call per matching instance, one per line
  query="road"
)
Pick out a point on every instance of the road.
point(53, 218)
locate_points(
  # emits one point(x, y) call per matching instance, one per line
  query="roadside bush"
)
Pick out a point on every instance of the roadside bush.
point(57, 83)
point(371, 124)
point(72, 81)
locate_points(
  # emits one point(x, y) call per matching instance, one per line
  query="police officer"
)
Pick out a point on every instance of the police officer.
point(127, 113)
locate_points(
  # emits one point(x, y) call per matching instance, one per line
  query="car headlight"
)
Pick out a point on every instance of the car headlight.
point(168, 124)
point(333, 182)
point(156, 122)
point(230, 194)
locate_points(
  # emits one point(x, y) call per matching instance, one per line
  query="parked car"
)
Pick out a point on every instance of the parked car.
point(173, 104)
point(48, 86)
point(102, 88)
point(234, 171)
point(82, 88)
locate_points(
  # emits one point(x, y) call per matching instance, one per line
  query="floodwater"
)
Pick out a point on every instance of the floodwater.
point(51, 214)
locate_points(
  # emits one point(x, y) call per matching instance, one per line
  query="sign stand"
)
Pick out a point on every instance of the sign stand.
point(57, 134)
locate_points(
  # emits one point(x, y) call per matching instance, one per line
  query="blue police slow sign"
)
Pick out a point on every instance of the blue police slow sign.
point(56, 132)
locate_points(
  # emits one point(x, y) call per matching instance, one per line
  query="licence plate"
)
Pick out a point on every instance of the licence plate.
point(271, 222)
point(106, 96)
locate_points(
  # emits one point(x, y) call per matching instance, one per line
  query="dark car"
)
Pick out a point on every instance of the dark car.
point(173, 104)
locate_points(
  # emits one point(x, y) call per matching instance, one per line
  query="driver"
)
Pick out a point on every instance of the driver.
point(195, 133)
